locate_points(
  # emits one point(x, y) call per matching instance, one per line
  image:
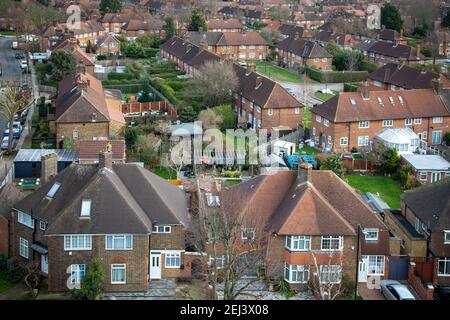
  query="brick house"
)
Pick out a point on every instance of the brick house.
point(70, 45)
point(427, 168)
point(135, 28)
point(72, 219)
point(224, 25)
point(232, 45)
point(344, 41)
point(351, 119)
point(392, 36)
point(309, 215)
point(247, 15)
point(259, 101)
point(308, 20)
point(383, 52)
point(9, 195)
point(82, 112)
point(107, 45)
point(294, 50)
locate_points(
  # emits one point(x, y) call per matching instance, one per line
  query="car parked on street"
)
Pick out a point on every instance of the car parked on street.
point(19, 55)
point(394, 290)
point(16, 133)
point(5, 142)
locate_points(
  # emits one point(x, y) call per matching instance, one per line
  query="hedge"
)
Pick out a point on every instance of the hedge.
point(120, 76)
point(335, 76)
point(348, 87)
point(125, 87)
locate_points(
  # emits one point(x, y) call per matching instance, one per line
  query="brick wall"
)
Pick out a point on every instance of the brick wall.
point(86, 131)
point(424, 291)
point(168, 241)
point(4, 236)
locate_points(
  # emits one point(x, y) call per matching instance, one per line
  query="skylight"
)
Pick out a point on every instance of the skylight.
point(86, 208)
point(400, 99)
point(352, 101)
point(379, 100)
point(51, 193)
point(391, 100)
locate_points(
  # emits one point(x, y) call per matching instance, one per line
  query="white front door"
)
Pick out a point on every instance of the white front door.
point(362, 272)
point(44, 263)
point(155, 265)
point(435, 176)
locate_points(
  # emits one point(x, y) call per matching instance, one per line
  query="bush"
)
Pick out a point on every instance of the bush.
point(120, 76)
point(131, 135)
point(3, 262)
point(447, 138)
point(15, 271)
point(348, 87)
point(335, 76)
point(228, 116)
point(406, 177)
point(92, 284)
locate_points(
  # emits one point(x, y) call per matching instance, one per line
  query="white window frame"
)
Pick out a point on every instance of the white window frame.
point(388, 123)
point(24, 249)
point(379, 262)
point(118, 237)
point(297, 110)
point(161, 229)
point(438, 119)
point(326, 123)
point(270, 111)
point(168, 256)
point(330, 269)
point(364, 124)
point(446, 236)
point(71, 242)
point(252, 231)
point(291, 269)
point(86, 207)
point(408, 122)
point(343, 141)
point(421, 173)
point(42, 225)
point(446, 261)
point(318, 119)
point(119, 266)
point(78, 272)
point(332, 238)
point(363, 144)
point(25, 219)
point(371, 230)
point(291, 240)
point(417, 120)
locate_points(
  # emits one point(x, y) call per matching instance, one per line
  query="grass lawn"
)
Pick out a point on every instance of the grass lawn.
point(306, 116)
point(8, 33)
point(324, 96)
point(277, 73)
point(165, 173)
point(308, 150)
point(387, 188)
point(5, 284)
point(230, 183)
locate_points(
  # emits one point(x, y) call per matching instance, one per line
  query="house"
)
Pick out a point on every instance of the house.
point(136, 27)
point(423, 224)
point(107, 45)
point(394, 76)
point(89, 150)
point(308, 20)
point(427, 168)
point(247, 15)
point(259, 101)
point(129, 218)
point(383, 52)
point(70, 45)
point(309, 216)
point(224, 25)
point(288, 30)
point(27, 163)
point(392, 36)
point(232, 45)
point(82, 112)
point(10, 195)
point(296, 51)
point(344, 41)
point(351, 119)
point(404, 140)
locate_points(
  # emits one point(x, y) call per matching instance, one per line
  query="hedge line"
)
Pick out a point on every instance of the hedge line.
point(335, 76)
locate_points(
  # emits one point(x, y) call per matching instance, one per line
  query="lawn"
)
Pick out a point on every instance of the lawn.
point(165, 173)
point(8, 33)
point(5, 283)
point(306, 116)
point(387, 188)
point(308, 150)
point(230, 183)
point(277, 73)
point(324, 96)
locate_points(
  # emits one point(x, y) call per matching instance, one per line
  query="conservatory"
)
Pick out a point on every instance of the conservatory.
point(404, 140)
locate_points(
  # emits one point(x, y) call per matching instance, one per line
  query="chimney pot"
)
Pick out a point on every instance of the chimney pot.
point(304, 171)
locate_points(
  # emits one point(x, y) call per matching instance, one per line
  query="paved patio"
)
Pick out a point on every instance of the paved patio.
point(369, 294)
point(163, 289)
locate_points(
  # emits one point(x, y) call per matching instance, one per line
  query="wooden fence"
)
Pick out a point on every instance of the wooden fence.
point(137, 108)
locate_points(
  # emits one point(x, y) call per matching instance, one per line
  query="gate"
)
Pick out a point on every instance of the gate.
point(398, 268)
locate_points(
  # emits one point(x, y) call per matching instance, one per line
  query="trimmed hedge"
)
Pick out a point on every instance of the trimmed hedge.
point(124, 87)
point(335, 76)
point(348, 87)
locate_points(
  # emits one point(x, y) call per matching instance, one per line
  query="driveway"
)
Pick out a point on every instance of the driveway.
point(310, 88)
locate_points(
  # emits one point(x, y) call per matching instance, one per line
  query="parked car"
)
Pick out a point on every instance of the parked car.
point(442, 293)
point(16, 133)
point(17, 126)
point(23, 64)
point(19, 55)
point(5, 141)
point(394, 290)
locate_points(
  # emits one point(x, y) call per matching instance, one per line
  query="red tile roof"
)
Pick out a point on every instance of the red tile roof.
point(90, 149)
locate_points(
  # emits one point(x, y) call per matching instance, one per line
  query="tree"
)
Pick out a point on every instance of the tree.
point(92, 283)
point(209, 119)
point(113, 6)
point(326, 278)
point(131, 135)
point(214, 82)
point(187, 114)
point(335, 164)
point(447, 138)
point(12, 102)
point(391, 18)
point(133, 50)
point(33, 280)
point(146, 93)
point(228, 116)
point(148, 40)
point(279, 13)
point(333, 48)
point(41, 16)
point(198, 22)
point(169, 27)
point(406, 176)
point(69, 143)
point(62, 64)
point(385, 159)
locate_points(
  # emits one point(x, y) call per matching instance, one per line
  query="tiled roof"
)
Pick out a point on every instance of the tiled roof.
point(90, 149)
point(226, 38)
point(303, 48)
point(224, 24)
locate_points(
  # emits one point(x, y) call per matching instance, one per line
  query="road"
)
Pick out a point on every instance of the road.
point(299, 90)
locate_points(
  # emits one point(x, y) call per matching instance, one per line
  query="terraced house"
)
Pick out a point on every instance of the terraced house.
point(258, 101)
point(351, 119)
point(129, 218)
point(311, 220)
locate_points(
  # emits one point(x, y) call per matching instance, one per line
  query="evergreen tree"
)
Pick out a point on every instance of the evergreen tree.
point(198, 22)
point(391, 18)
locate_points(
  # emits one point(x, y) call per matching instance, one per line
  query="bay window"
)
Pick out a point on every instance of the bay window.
point(296, 273)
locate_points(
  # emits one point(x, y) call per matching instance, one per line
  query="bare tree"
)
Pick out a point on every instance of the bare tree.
point(12, 102)
point(326, 278)
point(210, 119)
point(33, 280)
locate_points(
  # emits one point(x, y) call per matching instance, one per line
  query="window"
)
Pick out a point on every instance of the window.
point(119, 242)
point(258, 109)
point(118, 273)
point(319, 119)
point(364, 124)
point(326, 123)
point(353, 101)
point(298, 243)
point(447, 236)
point(85, 208)
point(219, 262)
point(423, 175)
point(270, 111)
point(51, 193)
point(42, 225)
point(408, 122)
point(161, 229)
point(77, 242)
point(23, 250)
point(251, 55)
point(241, 55)
point(371, 234)
point(242, 46)
point(25, 219)
point(77, 272)
point(296, 273)
point(388, 123)
point(417, 120)
point(375, 265)
point(437, 119)
point(330, 243)
point(297, 110)
point(444, 267)
point(343, 141)
point(417, 225)
point(363, 141)
point(75, 135)
point(330, 273)
point(247, 233)
point(173, 260)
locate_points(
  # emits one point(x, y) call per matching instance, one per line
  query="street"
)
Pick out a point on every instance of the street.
point(310, 89)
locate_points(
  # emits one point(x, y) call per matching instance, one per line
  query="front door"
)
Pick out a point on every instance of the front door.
point(435, 176)
point(362, 272)
point(155, 265)
point(44, 263)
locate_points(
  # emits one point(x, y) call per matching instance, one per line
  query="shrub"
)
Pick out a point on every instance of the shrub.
point(228, 116)
point(92, 283)
point(120, 76)
point(406, 177)
point(14, 270)
point(447, 138)
point(3, 262)
point(335, 76)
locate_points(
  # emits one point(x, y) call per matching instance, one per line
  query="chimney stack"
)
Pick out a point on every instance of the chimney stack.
point(49, 167)
point(365, 91)
point(304, 171)
point(81, 67)
point(417, 52)
point(105, 159)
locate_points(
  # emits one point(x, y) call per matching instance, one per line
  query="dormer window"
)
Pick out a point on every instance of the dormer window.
point(161, 229)
point(371, 234)
point(51, 193)
point(85, 208)
point(446, 236)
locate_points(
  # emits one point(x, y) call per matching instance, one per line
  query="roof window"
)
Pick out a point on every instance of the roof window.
point(85, 208)
point(51, 193)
